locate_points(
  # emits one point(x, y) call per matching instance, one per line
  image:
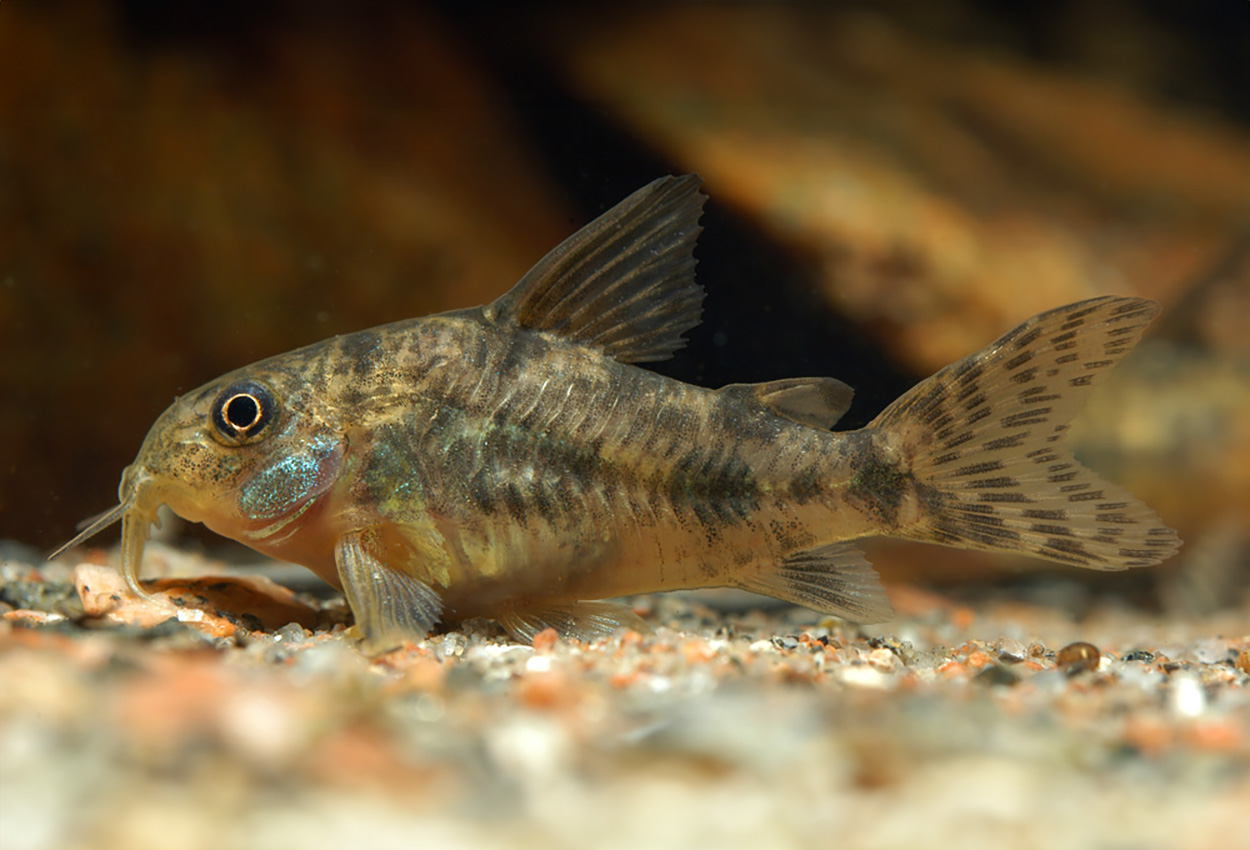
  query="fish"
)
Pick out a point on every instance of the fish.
point(512, 461)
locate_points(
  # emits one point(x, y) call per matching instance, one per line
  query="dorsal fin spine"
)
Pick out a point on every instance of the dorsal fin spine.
point(623, 283)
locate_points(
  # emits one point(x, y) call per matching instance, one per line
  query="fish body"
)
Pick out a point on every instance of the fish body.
point(511, 461)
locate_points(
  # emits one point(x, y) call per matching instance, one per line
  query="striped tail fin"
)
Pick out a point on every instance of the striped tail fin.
point(981, 438)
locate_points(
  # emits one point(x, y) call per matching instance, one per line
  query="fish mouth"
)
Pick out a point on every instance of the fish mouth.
point(137, 512)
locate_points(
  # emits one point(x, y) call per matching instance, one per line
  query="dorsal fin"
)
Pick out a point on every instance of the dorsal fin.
point(623, 283)
point(817, 402)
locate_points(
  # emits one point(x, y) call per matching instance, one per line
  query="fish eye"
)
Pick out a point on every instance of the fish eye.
point(241, 412)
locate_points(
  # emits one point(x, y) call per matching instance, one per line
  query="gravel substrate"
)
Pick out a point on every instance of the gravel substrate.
point(1000, 725)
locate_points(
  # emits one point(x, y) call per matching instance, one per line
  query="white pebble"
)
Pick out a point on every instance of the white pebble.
point(1188, 697)
point(863, 677)
point(538, 664)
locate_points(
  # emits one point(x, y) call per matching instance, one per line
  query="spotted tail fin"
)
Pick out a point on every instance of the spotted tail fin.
point(981, 438)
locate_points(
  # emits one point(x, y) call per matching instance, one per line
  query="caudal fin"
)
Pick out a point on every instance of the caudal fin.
point(981, 438)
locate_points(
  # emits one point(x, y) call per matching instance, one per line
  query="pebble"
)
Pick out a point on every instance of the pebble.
point(996, 674)
point(292, 633)
point(1011, 650)
point(473, 722)
point(1211, 651)
point(882, 659)
point(1188, 699)
point(864, 677)
point(1078, 656)
point(33, 619)
point(452, 645)
point(545, 640)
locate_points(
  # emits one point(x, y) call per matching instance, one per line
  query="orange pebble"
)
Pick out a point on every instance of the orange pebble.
point(1215, 735)
point(979, 659)
point(697, 651)
point(1148, 735)
point(545, 641)
point(623, 678)
point(962, 617)
point(424, 674)
point(544, 690)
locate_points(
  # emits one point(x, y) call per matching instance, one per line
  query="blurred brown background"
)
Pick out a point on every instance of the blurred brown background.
point(186, 187)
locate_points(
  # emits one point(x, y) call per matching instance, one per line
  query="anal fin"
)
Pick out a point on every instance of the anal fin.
point(834, 579)
point(390, 606)
point(571, 620)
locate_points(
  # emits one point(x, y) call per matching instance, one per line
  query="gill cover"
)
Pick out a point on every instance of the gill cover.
point(291, 482)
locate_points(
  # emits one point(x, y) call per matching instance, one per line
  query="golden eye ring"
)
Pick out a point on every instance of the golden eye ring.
point(241, 412)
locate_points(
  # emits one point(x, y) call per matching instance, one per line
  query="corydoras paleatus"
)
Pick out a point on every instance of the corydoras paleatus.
point(509, 461)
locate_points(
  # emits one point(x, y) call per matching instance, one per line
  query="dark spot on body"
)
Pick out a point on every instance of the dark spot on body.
point(515, 501)
point(544, 503)
point(359, 353)
point(353, 396)
point(522, 351)
point(879, 485)
point(806, 485)
point(715, 484)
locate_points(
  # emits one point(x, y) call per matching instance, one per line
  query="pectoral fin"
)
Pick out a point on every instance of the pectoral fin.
point(573, 620)
point(834, 579)
point(623, 283)
point(390, 606)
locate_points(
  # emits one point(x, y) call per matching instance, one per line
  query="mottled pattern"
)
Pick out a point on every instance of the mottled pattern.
point(509, 461)
point(982, 434)
point(549, 466)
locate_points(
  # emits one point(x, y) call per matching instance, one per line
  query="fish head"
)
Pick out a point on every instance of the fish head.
point(247, 455)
